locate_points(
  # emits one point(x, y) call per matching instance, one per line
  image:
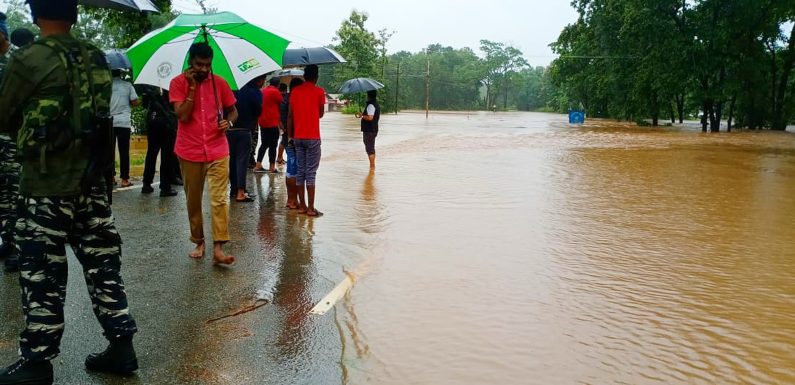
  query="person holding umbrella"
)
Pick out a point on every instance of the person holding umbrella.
point(64, 84)
point(205, 106)
point(371, 114)
point(121, 103)
point(370, 118)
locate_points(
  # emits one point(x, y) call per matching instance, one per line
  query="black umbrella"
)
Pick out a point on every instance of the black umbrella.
point(305, 56)
point(124, 5)
point(360, 85)
point(118, 59)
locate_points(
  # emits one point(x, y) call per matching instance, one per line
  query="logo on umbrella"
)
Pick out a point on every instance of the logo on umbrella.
point(248, 65)
point(164, 70)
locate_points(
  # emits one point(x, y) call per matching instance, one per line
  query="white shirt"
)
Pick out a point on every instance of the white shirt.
point(370, 110)
point(123, 95)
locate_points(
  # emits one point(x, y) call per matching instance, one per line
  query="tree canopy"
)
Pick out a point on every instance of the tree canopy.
point(639, 59)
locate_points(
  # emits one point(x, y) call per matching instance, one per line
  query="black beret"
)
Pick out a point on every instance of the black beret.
point(63, 10)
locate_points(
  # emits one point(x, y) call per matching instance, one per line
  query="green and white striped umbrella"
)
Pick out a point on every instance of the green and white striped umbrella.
point(242, 51)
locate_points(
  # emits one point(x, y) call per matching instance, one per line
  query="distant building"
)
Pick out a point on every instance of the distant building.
point(334, 103)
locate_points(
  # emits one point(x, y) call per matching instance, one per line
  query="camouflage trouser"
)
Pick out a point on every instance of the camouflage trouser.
point(9, 188)
point(44, 226)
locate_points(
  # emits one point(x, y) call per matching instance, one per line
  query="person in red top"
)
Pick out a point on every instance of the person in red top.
point(269, 125)
point(205, 106)
point(307, 105)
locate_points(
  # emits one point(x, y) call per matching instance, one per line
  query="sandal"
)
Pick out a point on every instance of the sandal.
point(314, 214)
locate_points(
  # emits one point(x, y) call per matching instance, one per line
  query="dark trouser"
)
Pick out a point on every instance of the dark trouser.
point(121, 136)
point(307, 155)
point(44, 227)
point(160, 138)
point(369, 142)
point(270, 141)
point(285, 139)
point(254, 141)
point(9, 189)
point(239, 148)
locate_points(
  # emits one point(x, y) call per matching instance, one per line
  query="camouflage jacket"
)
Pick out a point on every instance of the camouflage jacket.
point(3, 62)
point(36, 109)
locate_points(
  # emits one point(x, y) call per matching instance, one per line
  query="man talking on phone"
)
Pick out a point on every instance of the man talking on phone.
point(205, 106)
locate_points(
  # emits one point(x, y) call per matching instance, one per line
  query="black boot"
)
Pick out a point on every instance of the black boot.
point(119, 358)
point(147, 189)
point(12, 263)
point(27, 373)
point(5, 249)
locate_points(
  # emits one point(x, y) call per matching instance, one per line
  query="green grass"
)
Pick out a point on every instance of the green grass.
point(352, 109)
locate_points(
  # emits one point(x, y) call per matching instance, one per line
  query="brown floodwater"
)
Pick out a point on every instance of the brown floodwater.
point(516, 249)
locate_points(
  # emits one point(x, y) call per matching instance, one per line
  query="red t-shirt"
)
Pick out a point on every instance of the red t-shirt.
point(271, 100)
point(199, 139)
point(306, 101)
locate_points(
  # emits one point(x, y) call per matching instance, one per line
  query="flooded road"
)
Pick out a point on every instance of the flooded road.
point(486, 249)
point(515, 249)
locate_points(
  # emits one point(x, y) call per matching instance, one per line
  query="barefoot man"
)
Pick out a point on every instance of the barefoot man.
point(204, 118)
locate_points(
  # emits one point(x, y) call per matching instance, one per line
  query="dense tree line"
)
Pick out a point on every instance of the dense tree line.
point(457, 78)
point(657, 59)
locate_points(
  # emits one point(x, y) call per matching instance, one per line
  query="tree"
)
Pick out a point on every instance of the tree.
point(120, 29)
point(501, 62)
point(19, 16)
point(358, 45)
point(639, 59)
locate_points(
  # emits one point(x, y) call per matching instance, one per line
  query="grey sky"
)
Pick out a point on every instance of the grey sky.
point(529, 25)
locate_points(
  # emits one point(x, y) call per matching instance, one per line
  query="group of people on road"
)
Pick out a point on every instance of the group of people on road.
point(62, 113)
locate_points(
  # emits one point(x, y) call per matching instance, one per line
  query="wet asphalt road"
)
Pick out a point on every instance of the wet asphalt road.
point(175, 299)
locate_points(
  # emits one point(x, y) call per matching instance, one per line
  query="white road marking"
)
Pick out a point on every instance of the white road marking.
point(328, 302)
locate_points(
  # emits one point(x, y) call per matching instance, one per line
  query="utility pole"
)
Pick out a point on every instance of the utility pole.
point(428, 86)
point(397, 88)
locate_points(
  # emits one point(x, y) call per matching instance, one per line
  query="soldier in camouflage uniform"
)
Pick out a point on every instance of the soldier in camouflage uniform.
point(55, 101)
point(9, 174)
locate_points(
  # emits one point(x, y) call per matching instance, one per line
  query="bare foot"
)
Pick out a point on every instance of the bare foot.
point(314, 213)
point(221, 258)
point(198, 252)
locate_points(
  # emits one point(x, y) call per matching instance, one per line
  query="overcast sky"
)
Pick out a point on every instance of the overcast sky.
point(529, 25)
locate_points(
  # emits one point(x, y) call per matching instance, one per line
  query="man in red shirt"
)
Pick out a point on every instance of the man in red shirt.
point(307, 105)
point(269, 125)
point(205, 111)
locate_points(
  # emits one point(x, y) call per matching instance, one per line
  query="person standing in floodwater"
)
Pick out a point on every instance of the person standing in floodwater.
point(370, 118)
point(307, 107)
point(289, 148)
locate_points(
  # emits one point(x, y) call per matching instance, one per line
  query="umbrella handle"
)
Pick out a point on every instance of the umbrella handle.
point(218, 110)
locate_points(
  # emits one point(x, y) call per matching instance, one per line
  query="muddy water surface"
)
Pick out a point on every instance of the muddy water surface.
point(513, 248)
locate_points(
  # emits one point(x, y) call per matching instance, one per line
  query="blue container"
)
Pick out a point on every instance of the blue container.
point(576, 117)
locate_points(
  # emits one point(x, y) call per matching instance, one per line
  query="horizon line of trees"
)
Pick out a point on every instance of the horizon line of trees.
point(722, 60)
point(444, 77)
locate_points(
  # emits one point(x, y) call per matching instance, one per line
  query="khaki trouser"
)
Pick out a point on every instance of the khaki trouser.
point(217, 174)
